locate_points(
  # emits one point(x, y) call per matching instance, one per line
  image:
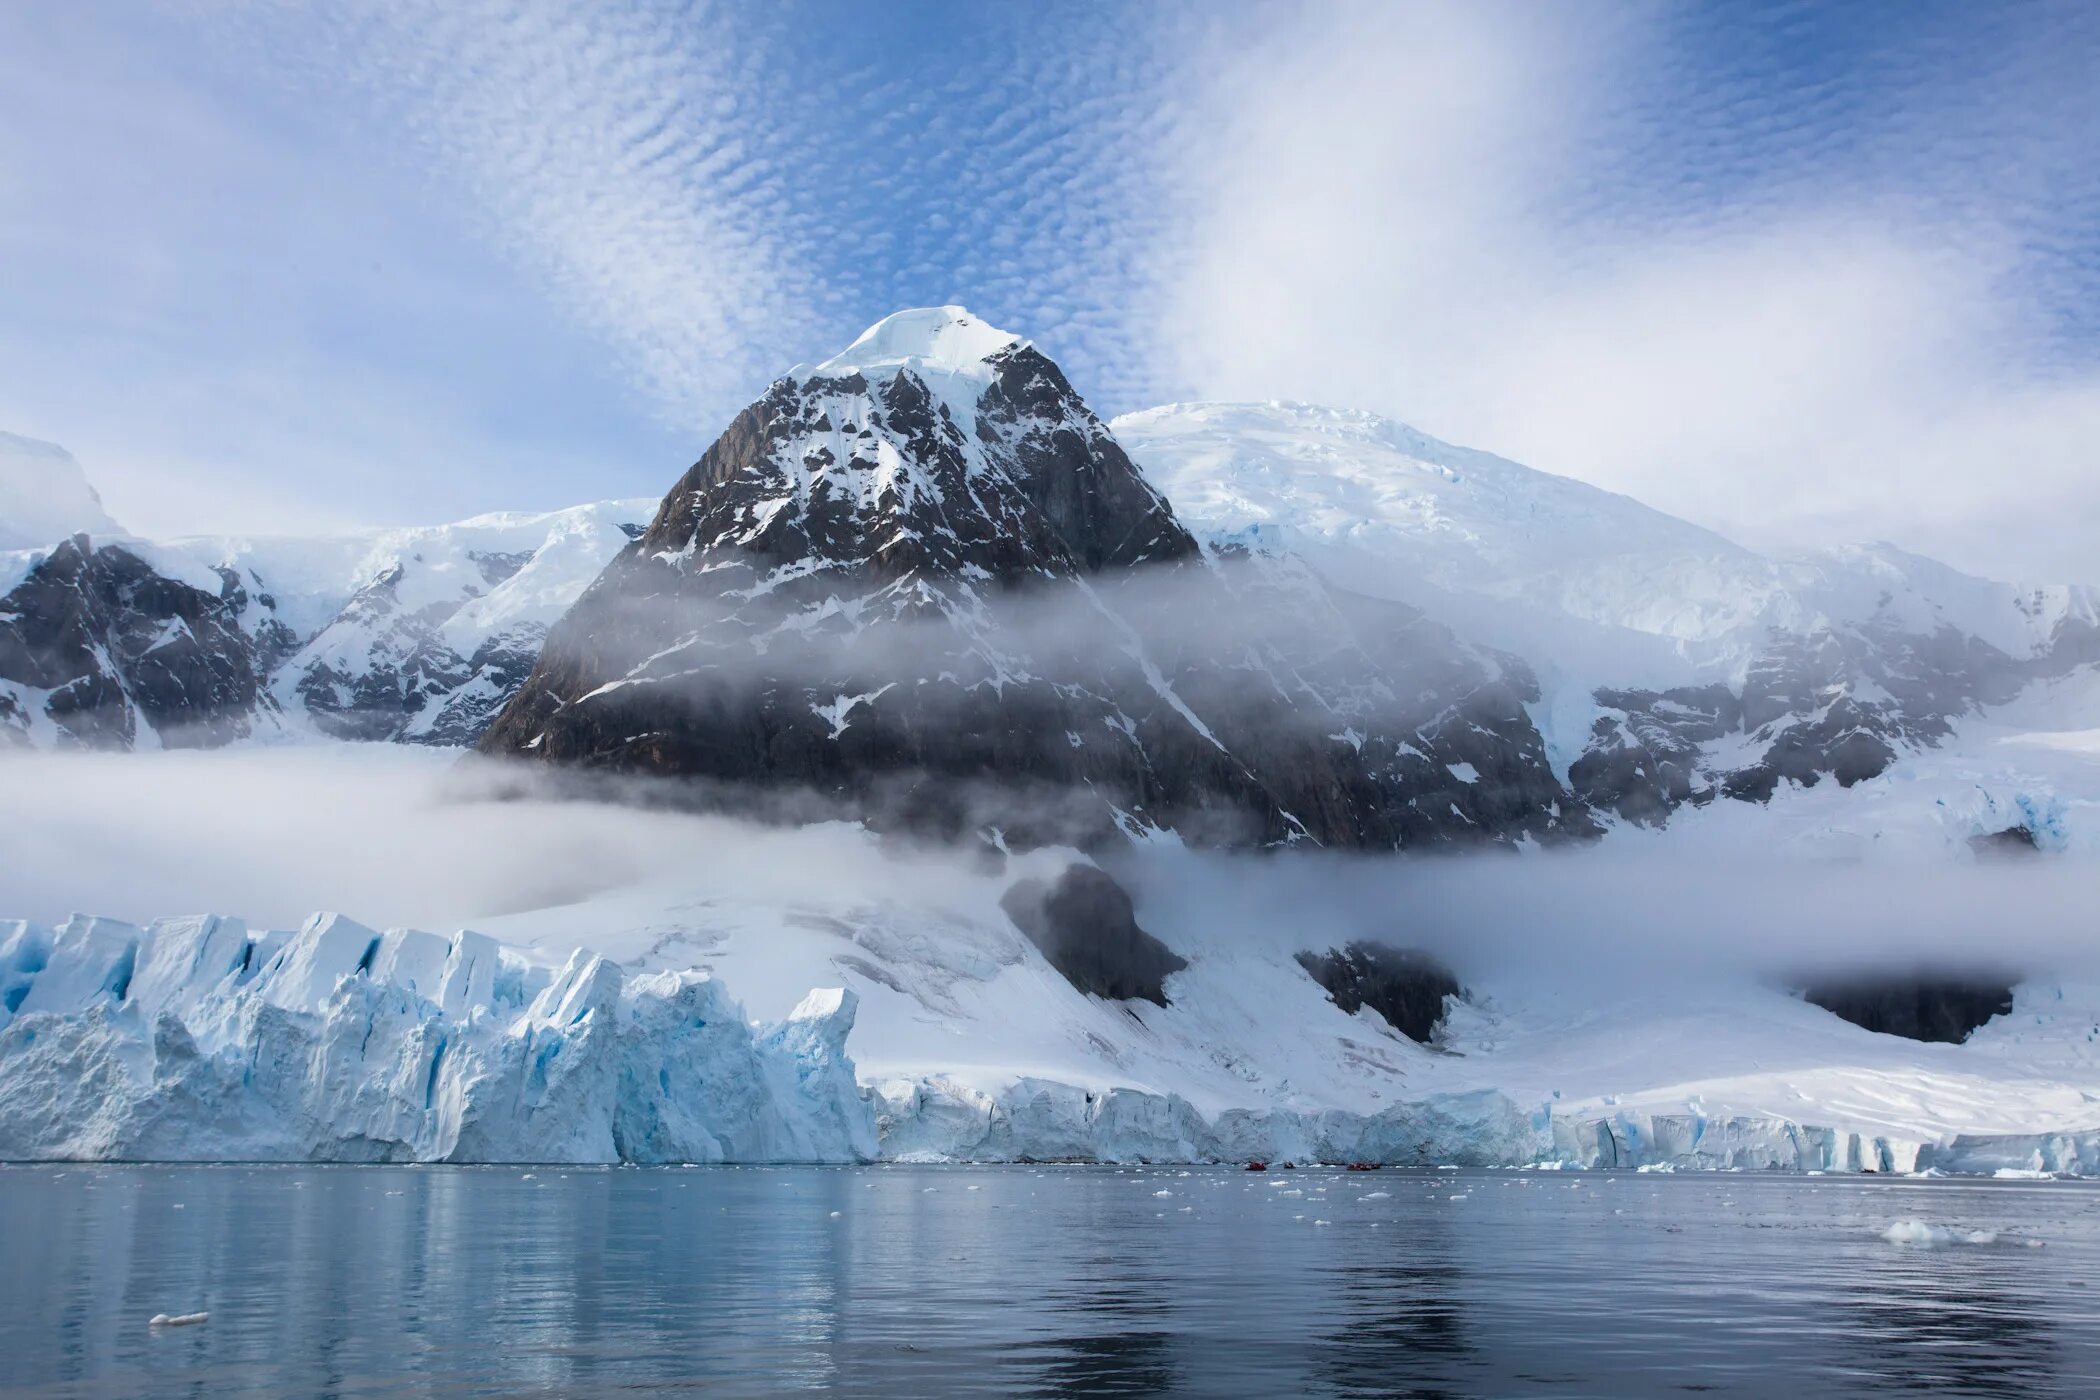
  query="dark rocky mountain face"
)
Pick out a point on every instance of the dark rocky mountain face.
point(1920, 1006)
point(1407, 987)
point(96, 644)
point(1837, 703)
point(1087, 929)
point(943, 598)
point(190, 645)
point(1425, 737)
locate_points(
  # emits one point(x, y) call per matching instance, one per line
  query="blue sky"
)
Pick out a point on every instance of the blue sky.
point(1801, 273)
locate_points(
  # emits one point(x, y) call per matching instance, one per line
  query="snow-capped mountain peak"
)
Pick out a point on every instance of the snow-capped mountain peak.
point(1677, 665)
point(45, 496)
point(1492, 546)
point(945, 340)
point(925, 582)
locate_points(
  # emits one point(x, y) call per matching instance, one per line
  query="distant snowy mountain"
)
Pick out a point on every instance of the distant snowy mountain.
point(921, 583)
point(411, 634)
point(1676, 665)
point(444, 623)
point(45, 496)
point(923, 569)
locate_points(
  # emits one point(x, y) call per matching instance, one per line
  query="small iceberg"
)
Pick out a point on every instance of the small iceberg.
point(1916, 1234)
point(178, 1319)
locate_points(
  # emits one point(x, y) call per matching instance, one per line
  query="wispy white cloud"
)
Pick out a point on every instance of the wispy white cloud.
point(1796, 297)
point(627, 155)
point(1816, 276)
point(240, 316)
point(716, 192)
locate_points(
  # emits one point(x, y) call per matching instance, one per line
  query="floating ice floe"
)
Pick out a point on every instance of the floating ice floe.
point(1917, 1234)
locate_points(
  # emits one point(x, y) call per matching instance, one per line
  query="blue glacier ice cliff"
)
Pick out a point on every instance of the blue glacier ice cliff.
point(194, 1039)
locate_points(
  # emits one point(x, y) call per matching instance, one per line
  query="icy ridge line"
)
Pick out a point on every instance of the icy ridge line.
point(193, 1040)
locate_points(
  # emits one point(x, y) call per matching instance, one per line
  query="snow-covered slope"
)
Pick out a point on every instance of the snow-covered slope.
point(931, 341)
point(1567, 575)
point(429, 630)
point(197, 1038)
point(45, 497)
point(1553, 569)
point(1675, 665)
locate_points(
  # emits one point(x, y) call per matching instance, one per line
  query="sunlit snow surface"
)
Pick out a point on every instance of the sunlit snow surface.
point(1592, 588)
point(1562, 572)
point(933, 339)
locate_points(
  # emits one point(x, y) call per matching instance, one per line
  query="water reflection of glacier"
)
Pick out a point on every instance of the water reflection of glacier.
point(1012, 1280)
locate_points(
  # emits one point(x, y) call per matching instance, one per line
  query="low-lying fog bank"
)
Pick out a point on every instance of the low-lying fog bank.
point(397, 835)
point(1629, 1004)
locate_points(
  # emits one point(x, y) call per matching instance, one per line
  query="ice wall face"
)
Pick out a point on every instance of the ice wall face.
point(1041, 1121)
point(197, 1039)
point(193, 1039)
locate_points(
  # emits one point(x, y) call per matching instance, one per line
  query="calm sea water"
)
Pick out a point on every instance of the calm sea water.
point(1023, 1281)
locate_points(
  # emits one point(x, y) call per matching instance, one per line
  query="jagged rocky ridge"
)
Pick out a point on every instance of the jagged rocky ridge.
point(922, 583)
point(1703, 670)
point(409, 635)
point(1841, 702)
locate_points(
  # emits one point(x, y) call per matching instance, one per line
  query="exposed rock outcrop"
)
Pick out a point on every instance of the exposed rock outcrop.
point(1926, 1006)
point(98, 647)
point(416, 636)
point(1407, 987)
point(1087, 928)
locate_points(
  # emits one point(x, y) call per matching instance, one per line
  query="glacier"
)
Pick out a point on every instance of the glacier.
point(199, 1039)
point(195, 1039)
